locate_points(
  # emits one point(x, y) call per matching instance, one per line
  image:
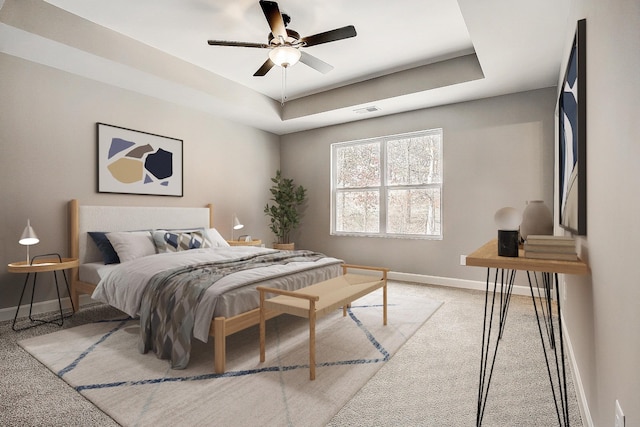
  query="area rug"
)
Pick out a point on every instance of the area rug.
point(101, 362)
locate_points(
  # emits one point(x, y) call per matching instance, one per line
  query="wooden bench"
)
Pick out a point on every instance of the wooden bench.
point(319, 299)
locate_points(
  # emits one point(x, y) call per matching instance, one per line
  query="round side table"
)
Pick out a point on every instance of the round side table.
point(41, 264)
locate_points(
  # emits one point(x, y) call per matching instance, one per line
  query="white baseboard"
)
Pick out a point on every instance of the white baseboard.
point(452, 283)
point(587, 421)
point(40, 307)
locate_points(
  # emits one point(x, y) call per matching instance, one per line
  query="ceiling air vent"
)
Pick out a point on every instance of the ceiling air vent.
point(367, 110)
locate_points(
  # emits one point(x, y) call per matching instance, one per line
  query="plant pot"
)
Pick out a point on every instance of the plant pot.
point(284, 246)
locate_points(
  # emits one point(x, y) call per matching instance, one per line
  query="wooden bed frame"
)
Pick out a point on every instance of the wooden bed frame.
point(220, 328)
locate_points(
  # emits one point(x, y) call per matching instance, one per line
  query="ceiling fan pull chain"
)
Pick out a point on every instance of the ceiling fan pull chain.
point(284, 85)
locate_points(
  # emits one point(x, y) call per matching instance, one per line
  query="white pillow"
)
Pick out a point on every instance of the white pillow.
point(216, 239)
point(132, 244)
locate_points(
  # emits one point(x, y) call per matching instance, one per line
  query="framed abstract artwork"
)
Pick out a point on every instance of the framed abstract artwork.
point(134, 162)
point(572, 138)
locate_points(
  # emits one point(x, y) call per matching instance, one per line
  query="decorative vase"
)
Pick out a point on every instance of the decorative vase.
point(536, 220)
point(284, 246)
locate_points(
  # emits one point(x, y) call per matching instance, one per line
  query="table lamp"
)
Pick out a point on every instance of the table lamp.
point(508, 221)
point(28, 237)
point(236, 225)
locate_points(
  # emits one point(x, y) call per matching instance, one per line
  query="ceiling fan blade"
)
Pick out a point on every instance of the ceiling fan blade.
point(330, 36)
point(315, 63)
point(274, 18)
point(236, 44)
point(268, 64)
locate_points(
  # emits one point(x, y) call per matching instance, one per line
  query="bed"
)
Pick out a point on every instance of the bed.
point(234, 310)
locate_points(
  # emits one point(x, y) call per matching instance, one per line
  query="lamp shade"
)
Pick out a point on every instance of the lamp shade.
point(284, 56)
point(28, 235)
point(237, 225)
point(508, 218)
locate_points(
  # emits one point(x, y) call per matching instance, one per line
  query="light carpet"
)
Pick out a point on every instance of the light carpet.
point(101, 361)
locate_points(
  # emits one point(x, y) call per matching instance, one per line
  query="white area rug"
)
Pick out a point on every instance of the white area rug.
point(101, 361)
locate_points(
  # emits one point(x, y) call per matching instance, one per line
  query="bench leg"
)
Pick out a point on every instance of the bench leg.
point(312, 341)
point(262, 328)
point(384, 304)
point(344, 309)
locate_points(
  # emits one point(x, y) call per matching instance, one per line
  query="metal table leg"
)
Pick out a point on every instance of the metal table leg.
point(552, 343)
point(504, 287)
point(557, 362)
point(13, 325)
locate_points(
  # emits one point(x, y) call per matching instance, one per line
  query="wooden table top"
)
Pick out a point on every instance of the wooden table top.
point(50, 264)
point(487, 256)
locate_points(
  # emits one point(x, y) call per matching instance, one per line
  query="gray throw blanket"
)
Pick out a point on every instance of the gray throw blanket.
point(169, 302)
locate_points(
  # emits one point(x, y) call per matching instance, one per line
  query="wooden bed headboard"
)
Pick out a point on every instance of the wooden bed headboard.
point(127, 218)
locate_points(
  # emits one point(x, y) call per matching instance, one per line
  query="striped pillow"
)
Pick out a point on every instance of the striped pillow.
point(176, 241)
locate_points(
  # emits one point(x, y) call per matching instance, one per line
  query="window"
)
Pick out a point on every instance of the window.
point(388, 187)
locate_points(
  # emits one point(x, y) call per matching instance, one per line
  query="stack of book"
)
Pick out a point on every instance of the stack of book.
point(551, 247)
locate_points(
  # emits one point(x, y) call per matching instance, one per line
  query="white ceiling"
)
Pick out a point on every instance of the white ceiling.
point(406, 34)
point(518, 46)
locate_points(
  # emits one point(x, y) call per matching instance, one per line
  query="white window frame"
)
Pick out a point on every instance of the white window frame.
point(384, 187)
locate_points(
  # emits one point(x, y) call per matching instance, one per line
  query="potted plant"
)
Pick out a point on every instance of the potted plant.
point(284, 212)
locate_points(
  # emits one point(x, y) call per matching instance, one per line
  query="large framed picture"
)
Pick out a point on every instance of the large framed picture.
point(134, 162)
point(572, 138)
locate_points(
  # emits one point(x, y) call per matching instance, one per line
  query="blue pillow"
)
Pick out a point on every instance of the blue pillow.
point(109, 255)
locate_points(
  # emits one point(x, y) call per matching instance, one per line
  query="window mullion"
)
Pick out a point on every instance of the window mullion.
point(383, 186)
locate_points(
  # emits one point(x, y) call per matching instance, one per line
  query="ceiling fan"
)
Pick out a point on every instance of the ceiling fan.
point(286, 45)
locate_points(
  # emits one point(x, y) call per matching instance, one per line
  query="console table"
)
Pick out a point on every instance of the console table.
point(542, 275)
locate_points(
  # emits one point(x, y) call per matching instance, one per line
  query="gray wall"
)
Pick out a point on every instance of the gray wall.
point(602, 311)
point(48, 142)
point(497, 152)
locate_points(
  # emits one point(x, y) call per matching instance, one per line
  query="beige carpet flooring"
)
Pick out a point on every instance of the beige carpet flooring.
point(431, 381)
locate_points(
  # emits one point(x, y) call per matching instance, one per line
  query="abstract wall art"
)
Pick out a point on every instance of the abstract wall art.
point(572, 138)
point(135, 162)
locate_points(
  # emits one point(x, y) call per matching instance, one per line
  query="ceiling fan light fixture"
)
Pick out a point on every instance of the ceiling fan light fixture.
point(284, 56)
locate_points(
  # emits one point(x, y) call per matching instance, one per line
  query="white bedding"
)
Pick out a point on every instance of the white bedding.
point(93, 272)
point(122, 285)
